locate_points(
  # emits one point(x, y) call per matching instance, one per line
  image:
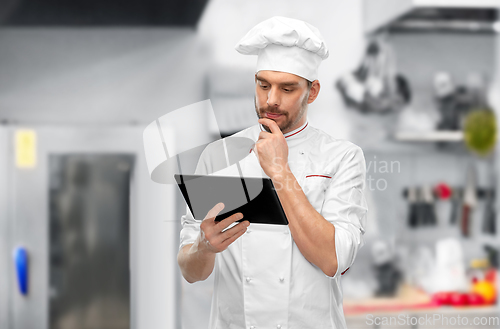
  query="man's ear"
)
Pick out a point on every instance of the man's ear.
point(314, 91)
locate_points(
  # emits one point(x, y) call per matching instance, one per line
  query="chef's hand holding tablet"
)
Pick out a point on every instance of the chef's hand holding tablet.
point(213, 235)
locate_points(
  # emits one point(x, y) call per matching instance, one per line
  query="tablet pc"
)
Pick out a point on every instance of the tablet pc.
point(255, 198)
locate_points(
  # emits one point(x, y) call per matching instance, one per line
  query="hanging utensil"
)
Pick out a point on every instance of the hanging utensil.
point(420, 206)
point(455, 206)
point(489, 220)
point(412, 207)
point(469, 201)
point(428, 211)
point(375, 86)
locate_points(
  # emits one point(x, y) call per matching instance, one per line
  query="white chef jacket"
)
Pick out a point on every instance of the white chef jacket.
point(262, 280)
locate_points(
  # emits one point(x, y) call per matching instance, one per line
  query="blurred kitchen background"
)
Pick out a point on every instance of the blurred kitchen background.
point(87, 240)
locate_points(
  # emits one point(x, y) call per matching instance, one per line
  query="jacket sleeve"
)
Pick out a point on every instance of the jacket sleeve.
point(211, 161)
point(345, 207)
point(190, 226)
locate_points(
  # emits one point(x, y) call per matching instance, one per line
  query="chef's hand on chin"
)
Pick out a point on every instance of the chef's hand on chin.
point(272, 150)
point(211, 237)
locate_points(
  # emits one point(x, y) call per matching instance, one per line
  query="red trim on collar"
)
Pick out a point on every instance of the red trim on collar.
point(295, 133)
point(345, 271)
point(318, 176)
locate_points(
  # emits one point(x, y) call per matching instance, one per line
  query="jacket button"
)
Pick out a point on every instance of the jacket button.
point(278, 326)
point(282, 279)
point(248, 279)
point(252, 327)
point(248, 231)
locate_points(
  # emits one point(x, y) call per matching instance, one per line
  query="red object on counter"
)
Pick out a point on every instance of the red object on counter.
point(475, 299)
point(455, 298)
point(459, 299)
point(442, 298)
point(443, 191)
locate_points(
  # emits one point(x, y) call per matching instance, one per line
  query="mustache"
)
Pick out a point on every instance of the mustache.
point(268, 110)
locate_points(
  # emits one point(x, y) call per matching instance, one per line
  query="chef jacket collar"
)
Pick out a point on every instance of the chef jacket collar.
point(300, 132)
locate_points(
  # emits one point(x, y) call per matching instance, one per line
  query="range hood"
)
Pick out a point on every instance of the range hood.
point(101, 13)
point(447, 15)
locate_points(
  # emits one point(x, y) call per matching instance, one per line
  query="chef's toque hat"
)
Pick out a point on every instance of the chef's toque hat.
point(286, 45)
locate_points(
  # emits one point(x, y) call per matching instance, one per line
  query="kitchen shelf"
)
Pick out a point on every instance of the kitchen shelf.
point(381, 13)
point(429, 136)
point(458, 3)
point(414, 25)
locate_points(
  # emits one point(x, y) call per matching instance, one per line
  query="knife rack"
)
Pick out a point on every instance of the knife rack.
point(481, 193)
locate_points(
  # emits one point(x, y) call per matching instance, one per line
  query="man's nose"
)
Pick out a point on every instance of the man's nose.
point(273, 98)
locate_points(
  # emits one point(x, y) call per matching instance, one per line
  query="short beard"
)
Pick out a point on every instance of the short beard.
point(303, 108)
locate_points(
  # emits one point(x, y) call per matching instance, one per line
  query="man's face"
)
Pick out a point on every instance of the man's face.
point(281, 97)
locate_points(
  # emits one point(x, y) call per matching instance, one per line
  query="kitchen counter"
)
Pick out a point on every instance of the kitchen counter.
point(440, 317)
point(412, 308)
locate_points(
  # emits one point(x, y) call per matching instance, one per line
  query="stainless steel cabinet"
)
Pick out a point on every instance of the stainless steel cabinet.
point(73, 231)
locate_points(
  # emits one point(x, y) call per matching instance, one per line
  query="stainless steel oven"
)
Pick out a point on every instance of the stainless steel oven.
point(100, 238)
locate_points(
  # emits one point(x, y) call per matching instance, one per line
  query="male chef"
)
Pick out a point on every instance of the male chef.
point(283, 276)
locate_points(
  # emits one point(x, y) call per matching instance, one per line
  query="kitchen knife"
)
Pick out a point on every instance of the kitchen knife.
point(469, 201)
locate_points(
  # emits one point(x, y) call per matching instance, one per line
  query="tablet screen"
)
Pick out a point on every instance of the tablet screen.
point(256, 198)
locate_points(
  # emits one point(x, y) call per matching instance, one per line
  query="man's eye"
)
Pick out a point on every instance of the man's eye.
point(263, 87)
point(287, 90)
